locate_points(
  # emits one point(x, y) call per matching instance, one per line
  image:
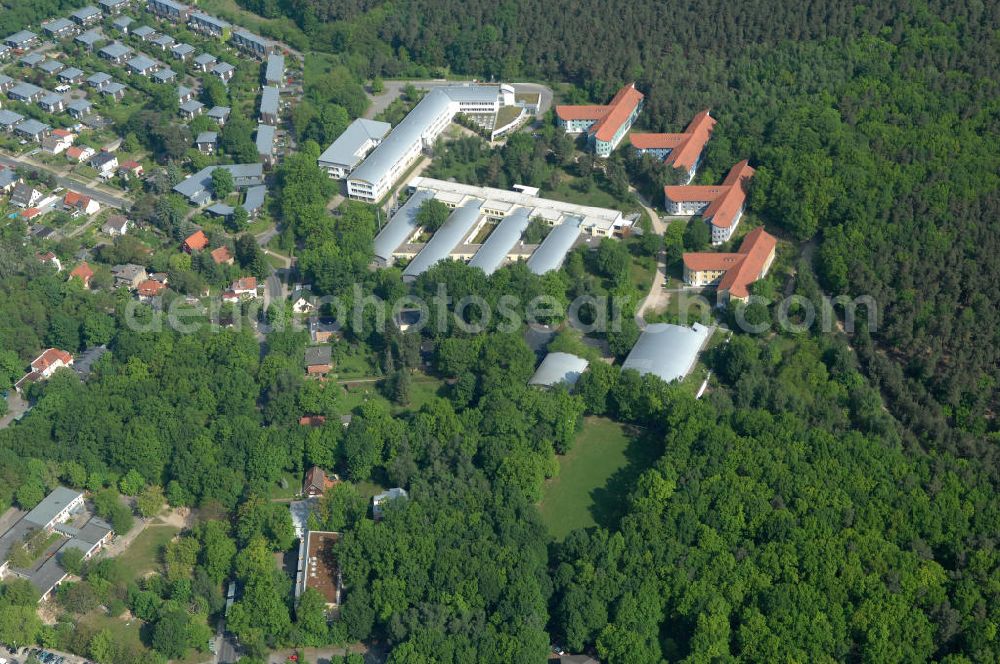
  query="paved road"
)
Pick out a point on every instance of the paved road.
point(394, 89)
point(101, 196)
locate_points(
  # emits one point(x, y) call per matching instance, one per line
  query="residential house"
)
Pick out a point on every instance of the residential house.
point(79, 108)
point(25, 196)
point(59, 28)
point(43, 366)
point(165, 75)
point(221, 256)
point(224, 71)
point(250, 43)
point(380, 499)
point(98, 80)
point(274, 70)
point(197, 188)
point(106, 163)
point(9, 179)
point(265, 144)
point(49, 258)
point(245, 287)
point(164, 42)
point(51, 67)
point(9, 119)
point(6, 83)
point(207, 142)
point(32, 130)
point(316, 482)
point(116, 225)
point(149, 289)
point(195, 242)
point(318, 360)
point(302, 301)
point(115, 53)
point(4, 52)
point(123, 24)
point(115, 90)
point(86, 15)
point(58, 141)
point(112, 7)
point(79, 153)
point(605, 126)
point(270, 105)
point(32, 59)
point(184, 94)
point(52, 102)
point(721, 206)
point(129, 275)
point(130, 169)
point(182, 52)
point(89, 39)
point(26, 92)
point(23, 39)
point(208, 25)
point(323, 330)
point(172, 11)
point(144, 32)
point(732, 274)
point(219, 113)
point(142, 65)
point(83, 272)
point(78, 203)
point(205, 61)
point(191, 108)
point(71, 76)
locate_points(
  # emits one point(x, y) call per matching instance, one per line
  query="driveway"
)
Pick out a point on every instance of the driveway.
point(16, 407)
point(103, 197)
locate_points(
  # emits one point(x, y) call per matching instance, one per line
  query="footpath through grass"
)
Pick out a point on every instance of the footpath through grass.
point(594, 478)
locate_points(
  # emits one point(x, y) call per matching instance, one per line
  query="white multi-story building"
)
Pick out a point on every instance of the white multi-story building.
point(373, 179)
point(361, 137)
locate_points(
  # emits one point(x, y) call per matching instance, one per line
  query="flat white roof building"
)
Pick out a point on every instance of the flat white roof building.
point(602, 222)
point(513, 209)
point(360, 138)
point(373, 179)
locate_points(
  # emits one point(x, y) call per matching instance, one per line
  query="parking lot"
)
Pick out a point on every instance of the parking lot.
point(33, 655)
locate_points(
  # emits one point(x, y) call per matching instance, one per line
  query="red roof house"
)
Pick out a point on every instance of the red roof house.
point(83, 272)
point(195, 242)
point(221, 256)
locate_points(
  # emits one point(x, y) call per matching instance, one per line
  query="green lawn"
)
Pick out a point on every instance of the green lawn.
point(125, 634)
point(423, 389)
point(143, 556)
point(594, 478)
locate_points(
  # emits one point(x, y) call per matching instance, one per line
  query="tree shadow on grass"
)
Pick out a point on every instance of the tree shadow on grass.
point(610, 502)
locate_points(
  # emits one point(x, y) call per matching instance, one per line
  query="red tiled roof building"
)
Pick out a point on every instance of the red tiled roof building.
point(605, 126)
point(732, 273)
point(681, 151)
point(720, 206)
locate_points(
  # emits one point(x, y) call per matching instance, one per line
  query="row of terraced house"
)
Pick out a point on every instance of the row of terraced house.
point(244, 40)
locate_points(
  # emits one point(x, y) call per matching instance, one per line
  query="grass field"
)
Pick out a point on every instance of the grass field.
point(125, 634)
point(594, 478)
point(143, 556)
